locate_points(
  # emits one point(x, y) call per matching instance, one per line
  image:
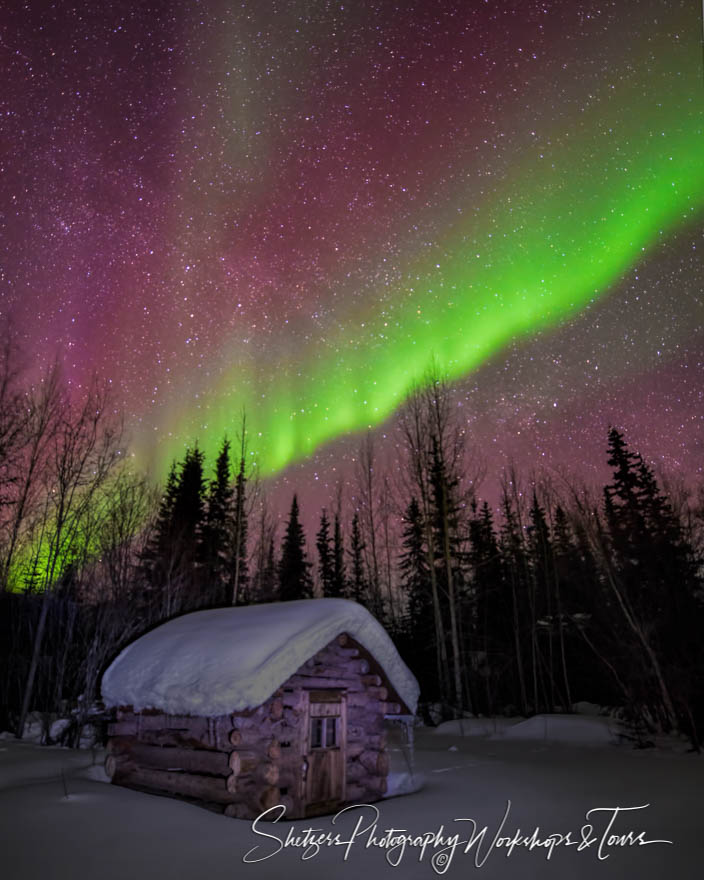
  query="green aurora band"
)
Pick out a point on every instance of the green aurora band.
point(564, 226)
point(600, 190)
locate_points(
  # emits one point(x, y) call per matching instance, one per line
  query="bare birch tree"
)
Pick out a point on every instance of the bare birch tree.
point(84, 448)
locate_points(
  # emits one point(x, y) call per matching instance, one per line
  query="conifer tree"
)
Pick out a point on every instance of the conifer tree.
point(294, 569)
point(585, 614)
point(239, 570)
point(513, 553)
point(413, 568)
point(217, 529)
point(419, 631)
point(152, 565)
point(325, 556)
point(444, 485)
point(170, 562)
point(651, 572)
point(493, 608)
point(540, 602)
point(568, 573)
point(357, 587)
point(187, 521)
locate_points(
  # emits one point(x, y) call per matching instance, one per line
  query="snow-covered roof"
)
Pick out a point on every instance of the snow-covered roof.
point(228, 659)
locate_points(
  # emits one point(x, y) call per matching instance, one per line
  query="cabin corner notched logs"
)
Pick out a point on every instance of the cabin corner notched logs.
point(246, 762)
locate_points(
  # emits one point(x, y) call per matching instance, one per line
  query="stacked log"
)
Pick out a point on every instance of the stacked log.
point(242, 761)
point(335, 666)
point(211, 763)
point(372, 680)
point(293, 699)
point(376, 762)
point(267, 799)
point(257, 758)
point(329, 665)
point(170, 730)
point(117, 766)
point(327, 681)
point(210, 789)
point(371, 788)
point(276, 709)
point(367, 759)
point(229, 760)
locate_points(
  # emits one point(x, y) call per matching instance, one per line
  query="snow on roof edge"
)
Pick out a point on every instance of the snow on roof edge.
point(222, 660)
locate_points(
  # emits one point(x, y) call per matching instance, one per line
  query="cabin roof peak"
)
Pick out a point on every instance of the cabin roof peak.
point(225, 660)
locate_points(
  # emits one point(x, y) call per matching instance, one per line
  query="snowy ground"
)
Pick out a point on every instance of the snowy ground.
point(548, 773)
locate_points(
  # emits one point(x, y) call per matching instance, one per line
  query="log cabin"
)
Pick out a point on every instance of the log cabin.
point(242, 709)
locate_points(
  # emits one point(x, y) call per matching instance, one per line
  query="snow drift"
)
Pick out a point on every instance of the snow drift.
point(583, 730)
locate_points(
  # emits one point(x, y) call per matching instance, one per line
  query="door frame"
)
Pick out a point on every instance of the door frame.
point(315, 696)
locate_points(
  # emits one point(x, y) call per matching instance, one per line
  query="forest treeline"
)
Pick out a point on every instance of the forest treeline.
point(558, 594)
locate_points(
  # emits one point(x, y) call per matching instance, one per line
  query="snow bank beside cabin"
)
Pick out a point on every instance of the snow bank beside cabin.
point(474, 726)
point(403, 782)
point(583, 730)
point(228, 659)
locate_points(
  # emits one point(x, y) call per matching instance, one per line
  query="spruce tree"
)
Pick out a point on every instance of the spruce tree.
point(444, 486)
point(217, 529)
point(357, 586)
point(325, 556)
point(418, 634)
point(294, 569)
point(170, 563)
point(652, 575)
point(492, 622)
point(540, 602)
point(239, 570)
point(152, 566)
point(187, 521)
point(569, 572)
point(414, 573)
point(512, 547)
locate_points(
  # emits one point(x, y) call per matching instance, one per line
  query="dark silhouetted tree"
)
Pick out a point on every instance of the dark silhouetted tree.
point(651, 571)
point(418, 634)
point(239, 571)
point(294, 569)
point(325, 556)
point(357, 585)
point(216, 534)
point(170, 561)
point(492, 610)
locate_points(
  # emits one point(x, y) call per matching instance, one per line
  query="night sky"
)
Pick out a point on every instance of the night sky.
point(293, 207)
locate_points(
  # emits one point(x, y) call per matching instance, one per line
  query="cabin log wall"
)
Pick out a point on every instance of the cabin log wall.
point(247, 762)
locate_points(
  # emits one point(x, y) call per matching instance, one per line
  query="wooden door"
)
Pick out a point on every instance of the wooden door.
point(326, 754)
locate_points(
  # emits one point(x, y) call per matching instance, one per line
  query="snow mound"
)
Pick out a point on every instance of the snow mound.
point(474, 726)
point(583, 707)
point(584, 730)
point(403, 783)
point(228, 659)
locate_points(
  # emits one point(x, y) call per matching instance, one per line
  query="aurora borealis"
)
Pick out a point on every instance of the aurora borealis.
point(294, 207)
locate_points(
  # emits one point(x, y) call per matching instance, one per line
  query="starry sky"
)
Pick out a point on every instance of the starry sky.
point(293, 207)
